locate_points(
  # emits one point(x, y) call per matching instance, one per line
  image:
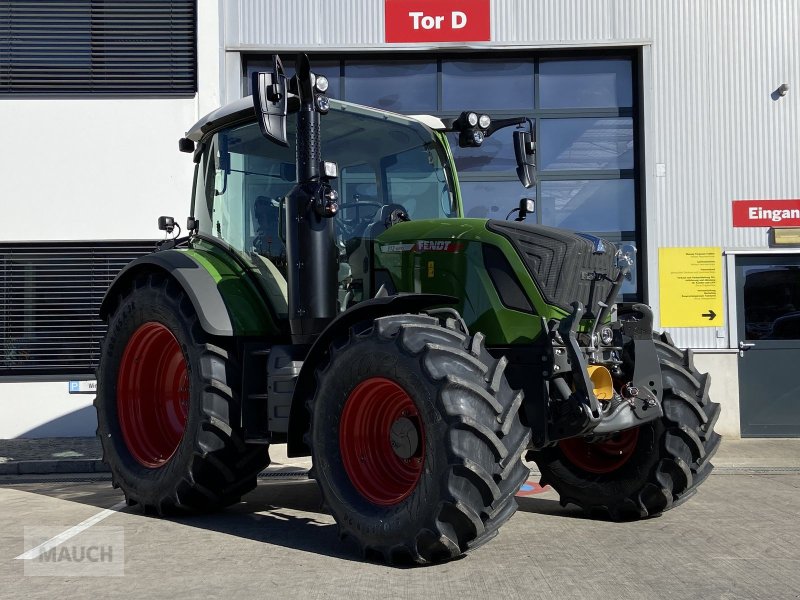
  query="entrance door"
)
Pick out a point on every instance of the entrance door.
point(768, 317)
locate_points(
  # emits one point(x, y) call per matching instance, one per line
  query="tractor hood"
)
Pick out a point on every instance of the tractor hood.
point(503, 267)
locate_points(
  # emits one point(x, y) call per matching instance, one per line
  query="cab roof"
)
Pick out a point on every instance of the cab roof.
point(242, 109)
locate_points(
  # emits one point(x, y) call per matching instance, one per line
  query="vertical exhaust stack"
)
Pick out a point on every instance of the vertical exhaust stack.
point(310, 239)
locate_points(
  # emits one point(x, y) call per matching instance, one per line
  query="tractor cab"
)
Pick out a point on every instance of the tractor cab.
point(390, 169)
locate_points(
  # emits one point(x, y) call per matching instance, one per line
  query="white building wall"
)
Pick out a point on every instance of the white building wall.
point(95, 169)
point(84, 169)
point(717, 128)
point(45, 409)
point(92, 169)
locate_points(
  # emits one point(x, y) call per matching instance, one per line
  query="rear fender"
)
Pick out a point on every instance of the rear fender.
point(369, 310)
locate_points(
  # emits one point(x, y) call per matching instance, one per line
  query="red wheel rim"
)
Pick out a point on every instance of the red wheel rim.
point(601, 457)
point(382, 473)
point(153, 394)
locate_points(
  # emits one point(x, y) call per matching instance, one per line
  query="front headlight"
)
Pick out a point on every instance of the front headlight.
point(321, 83)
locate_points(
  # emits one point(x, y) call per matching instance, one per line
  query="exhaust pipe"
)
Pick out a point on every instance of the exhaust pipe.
point(310, 238)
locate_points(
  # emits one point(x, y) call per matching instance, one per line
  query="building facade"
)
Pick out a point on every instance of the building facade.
point(654, 121)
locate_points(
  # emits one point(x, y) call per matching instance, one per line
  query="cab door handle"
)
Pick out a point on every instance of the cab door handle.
point(743, 347)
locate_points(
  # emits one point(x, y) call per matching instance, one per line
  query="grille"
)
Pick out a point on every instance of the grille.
point(563, 264)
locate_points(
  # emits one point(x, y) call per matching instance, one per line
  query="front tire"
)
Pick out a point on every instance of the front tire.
point(647, 470)
point(416, 440)
point(168, 405)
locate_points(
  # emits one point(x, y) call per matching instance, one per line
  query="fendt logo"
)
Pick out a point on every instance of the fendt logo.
point(766, 213)
point(423, 246)
point(438, 246)
point(411, 21)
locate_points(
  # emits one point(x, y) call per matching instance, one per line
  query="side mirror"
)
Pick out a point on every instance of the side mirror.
point(186, 145)
point(527, 206)
point(166, 224)
point(525, 151)
point(270, 101)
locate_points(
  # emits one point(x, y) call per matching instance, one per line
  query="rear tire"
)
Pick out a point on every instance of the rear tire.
point(168, 405)
point(448, 482)
point(660, 464)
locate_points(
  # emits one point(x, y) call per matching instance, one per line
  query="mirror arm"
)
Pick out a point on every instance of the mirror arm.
point(503, 123)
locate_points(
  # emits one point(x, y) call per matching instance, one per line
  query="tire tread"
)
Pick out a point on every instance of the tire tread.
point(485, 438)
point(221, 466)
point(684, 450)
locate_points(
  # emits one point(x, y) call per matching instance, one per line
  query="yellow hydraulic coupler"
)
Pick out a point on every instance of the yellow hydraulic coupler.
point(601, 382)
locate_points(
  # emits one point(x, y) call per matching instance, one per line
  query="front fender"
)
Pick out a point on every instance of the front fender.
point(196, 281)
point(369, 310)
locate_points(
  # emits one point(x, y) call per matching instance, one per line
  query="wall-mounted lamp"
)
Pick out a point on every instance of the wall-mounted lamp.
point(784, 237)
point(783, 89)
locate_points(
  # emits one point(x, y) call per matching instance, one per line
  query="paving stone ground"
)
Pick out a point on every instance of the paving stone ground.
point(733, 453)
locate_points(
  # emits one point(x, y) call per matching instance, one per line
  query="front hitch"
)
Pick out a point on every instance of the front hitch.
point(567, 331)
point(579, 412)
point(647, 383)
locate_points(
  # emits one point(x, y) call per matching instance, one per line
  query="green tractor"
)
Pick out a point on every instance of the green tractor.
point(347, 309)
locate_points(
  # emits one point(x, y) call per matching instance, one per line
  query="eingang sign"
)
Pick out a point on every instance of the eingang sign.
point(416, 21)
point(766, 213)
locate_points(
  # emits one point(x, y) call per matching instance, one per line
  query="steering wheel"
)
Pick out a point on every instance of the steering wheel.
point(351, 230)
point(391, 214)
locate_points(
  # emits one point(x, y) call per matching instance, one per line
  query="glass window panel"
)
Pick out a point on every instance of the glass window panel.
point(586, 143)
point(399, 86)
point(585, 83)
point(418, 188)
point(487, 85)
point(772, 302)
point(589, 205)
point(492, 199)
point(495, 154)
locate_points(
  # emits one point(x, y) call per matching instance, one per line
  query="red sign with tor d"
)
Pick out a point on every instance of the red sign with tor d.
point(415, 21)
point(766, 213)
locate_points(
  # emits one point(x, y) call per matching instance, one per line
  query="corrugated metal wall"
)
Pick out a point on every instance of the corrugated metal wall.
point(710, 67)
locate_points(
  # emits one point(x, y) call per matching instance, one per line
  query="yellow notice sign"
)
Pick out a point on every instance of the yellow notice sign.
point(690, 281)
